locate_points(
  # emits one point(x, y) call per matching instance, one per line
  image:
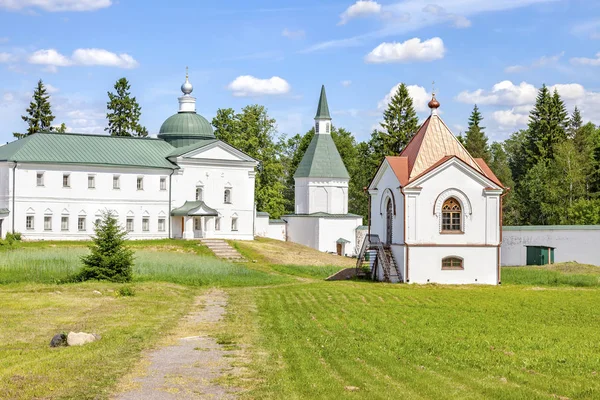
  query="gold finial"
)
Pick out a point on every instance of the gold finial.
point(186, 73)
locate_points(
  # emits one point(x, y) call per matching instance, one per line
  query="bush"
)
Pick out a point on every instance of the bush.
point(126, 291)
point(110, 259)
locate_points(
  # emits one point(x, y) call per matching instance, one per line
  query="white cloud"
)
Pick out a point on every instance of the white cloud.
point(55, 5)
point(346, 83)
point(50, 88)
point(458, 21)
point(7, 58)
point(539, 63)
point(410, 50)
point(510, 118)
point(594, 62)
point(588, 29)
point(247, 85)
point(104, 58)
point(502, 93)
point(417, 93)
point(361, 8)
point(299, 34)
point(88, 57)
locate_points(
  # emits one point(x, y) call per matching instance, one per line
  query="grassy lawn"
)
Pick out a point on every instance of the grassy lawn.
point(31, 314)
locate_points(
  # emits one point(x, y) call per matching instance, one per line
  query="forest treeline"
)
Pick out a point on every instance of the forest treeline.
point(552, 167)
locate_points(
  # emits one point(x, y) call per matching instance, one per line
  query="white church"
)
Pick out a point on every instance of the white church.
point(436, 212)
point(183, 184)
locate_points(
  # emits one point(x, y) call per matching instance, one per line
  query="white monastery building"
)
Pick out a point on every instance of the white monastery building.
point(184, 184)
point(436, 211)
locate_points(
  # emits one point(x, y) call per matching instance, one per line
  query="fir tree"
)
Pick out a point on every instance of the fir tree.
point(124, 112)
point(575, 123)
point(39, 114)
point(400, 123)
point(476, 142)
point(110, 259)
point(62, 128)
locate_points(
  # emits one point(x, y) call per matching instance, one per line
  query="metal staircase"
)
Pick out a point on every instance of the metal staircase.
point(384, 257)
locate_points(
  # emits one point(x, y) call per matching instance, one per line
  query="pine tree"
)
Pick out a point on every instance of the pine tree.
point(575, 123)
point(400, 123)
point(110, 259)
point(124, 112)
point(476, 142)
point(62, 128)
point(39, 114)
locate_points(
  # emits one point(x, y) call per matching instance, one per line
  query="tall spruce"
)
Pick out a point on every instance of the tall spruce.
point(39, 113)
point(124, 112)
point(575, 123)
point(400, 123)
point(476, 142)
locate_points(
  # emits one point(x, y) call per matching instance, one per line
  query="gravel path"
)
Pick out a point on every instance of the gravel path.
point(187, 370)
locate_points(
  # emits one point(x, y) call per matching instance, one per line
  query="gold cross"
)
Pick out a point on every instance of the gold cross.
point(433, 88)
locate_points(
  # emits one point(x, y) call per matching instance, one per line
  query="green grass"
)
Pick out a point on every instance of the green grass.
point(415, 342)
point(32, 314)
point(565, 274)
point(307, 271)
point(60, 265)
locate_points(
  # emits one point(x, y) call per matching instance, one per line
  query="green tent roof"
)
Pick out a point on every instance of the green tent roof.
point(322, 160)
point(69, 148)
point(323, 108)
point(194, 208)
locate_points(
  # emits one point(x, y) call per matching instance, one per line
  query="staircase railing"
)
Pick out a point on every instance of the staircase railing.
point(372, 242)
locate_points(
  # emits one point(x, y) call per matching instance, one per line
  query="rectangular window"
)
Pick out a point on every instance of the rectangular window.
point(198, 193)
point(146, 224)
point(116, 182)
point(163, 183)
point(234, 224)
point(217, 224)
point(197, 224)
point(40, 179)
point(161, 224)
point(29, 223)
point(91, 181)
point(81, 224)
point(66, 180)
point(140, 183)
point(48, 223)
point(129, 225)
point(64, 223)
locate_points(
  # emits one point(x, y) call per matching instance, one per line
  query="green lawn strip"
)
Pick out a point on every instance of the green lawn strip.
point(427, 342)
point(307, 271)
point(32, 314)
point(567, 274)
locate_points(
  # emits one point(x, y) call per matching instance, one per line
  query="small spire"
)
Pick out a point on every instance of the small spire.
point(433, 103)
point(323, 108)
point(187, 87)
point(186, 73)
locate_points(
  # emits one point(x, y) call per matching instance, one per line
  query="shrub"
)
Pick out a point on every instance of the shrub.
point(14, 236)
point(126, 291)
point(110, 259)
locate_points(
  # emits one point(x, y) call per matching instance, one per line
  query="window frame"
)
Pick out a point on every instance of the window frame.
point(218, 224)
point(452, 260)
point(48, 227)
point(227, 196)
point(117, 180)
point(145, 224)
point(91, 179)
point(39, 179)
point(162, 224)
point(163, 183)
point(140, 183)
point(66, 176)
point(234, 224)
point(452, 216)
point(199, 190)
point(128, 221)
point(81, 227)
point(63, 219)
point(30, 222)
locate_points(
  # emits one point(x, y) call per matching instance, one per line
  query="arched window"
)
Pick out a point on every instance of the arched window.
point(327, 127)
point(451, 216)
point(317, 127)
point(452, 263)
point(199, 194)
point(227, 196)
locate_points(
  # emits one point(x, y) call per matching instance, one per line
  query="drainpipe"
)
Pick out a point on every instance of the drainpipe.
point(13, 199)
point(404, 234)
point(500, 242)
point(169, 215)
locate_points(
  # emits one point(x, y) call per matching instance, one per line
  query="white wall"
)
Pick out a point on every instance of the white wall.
point(277, 231)
point(321, 195)
point(332, 229)
point(387, 187)
point(573, 243)
point(303, 230)
point(425, 265)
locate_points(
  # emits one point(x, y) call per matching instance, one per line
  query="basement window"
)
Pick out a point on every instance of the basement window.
point(452, 263)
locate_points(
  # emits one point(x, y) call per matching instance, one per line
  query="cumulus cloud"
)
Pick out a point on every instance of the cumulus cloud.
point(418, 94)
point(7, 58)
point(50, 88)
point(88, 57)
point(361, 8)
point(539, 63)
point(410, 50)
point(458, 21)
point(346, 83)
point(299, 34)
point(502, 93)
point(55, 5)
point(248, 85)
point(593, 62)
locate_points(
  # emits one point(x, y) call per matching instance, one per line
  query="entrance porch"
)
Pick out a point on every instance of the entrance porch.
point(194, 220)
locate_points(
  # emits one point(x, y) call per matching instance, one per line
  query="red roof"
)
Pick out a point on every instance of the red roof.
point(487, 171)
point(400, 167)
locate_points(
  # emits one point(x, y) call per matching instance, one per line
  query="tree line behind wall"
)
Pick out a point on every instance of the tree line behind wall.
point(552, 167)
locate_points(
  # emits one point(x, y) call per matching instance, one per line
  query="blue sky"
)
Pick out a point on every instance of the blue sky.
point(278, 53)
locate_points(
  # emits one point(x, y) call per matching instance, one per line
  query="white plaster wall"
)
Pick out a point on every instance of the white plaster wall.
point(425, 263)
point(303, 230)
point(214, 178)
point(79, 200)
point(321, 195)
point(277, 231)
point(480, 227)
point(572, 244)
point(332, 229)
point(5, 191)
point(387, 185)
point(261, 225)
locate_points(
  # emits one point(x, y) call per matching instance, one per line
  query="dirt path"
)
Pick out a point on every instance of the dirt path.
point(187, 369)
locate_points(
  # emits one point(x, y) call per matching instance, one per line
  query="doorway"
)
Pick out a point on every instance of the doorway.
point(389, 216)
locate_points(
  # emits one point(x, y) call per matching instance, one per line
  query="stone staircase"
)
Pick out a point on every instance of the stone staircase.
point(222, 249)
